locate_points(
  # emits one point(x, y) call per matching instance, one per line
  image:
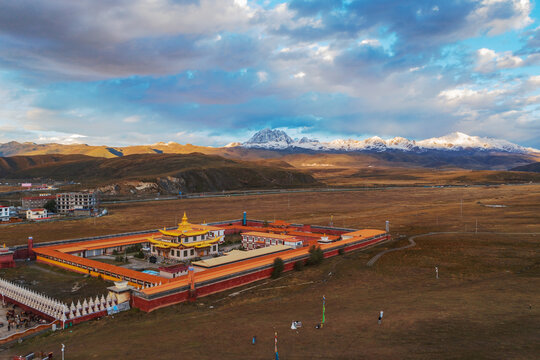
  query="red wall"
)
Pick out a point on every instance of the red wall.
point(153, 304)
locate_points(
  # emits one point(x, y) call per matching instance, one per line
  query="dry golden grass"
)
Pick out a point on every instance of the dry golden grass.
point(408, 209)
point(478, 309)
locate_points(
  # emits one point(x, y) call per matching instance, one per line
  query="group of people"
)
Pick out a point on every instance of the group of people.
point(16, 320)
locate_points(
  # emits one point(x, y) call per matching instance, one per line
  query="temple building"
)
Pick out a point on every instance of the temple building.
point(186, 242)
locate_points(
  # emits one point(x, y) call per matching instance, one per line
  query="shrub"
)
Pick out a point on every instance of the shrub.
point(278, 268)
point(114, 252)
point(139, 255)
point(316, 255)
point(341, 251)
point(299, 265)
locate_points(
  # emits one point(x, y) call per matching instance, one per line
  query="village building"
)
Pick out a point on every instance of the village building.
point(31, 202)
point(186, 242)
point(36, 214)
point(75, 202)
point(4, 213)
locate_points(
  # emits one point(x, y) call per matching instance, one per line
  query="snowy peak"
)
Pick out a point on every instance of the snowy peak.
point(269, 136)
point(461, 141)
point(279, 140)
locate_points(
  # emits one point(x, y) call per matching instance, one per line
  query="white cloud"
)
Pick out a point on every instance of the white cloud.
point(299, 75)
point(132, 119)
point(60, 138)
point(488, 60)
point(262, 76)
point(370, 42)
point(483, 16)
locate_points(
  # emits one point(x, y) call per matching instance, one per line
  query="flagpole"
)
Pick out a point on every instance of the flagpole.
point(275, 345)
point(323, 309)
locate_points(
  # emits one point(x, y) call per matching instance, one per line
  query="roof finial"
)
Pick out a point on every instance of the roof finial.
point(184, 219)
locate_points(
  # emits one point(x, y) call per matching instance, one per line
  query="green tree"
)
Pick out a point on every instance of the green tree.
point(278, 268)
point(316, 255)
point(50, 206)
point(299, 265)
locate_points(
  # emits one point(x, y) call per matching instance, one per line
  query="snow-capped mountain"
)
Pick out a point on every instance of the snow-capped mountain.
point(279, 140)
point(268, 138)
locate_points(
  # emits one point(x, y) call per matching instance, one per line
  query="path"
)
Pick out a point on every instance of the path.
point(413, 243)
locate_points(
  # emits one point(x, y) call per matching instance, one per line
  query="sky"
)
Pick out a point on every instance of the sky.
point(210, 72)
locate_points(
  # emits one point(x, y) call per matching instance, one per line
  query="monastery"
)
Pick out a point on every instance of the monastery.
point(186, 242)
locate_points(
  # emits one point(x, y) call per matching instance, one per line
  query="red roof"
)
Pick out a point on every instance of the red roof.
point(174, 268)
point(38, 209)
point(39, 197)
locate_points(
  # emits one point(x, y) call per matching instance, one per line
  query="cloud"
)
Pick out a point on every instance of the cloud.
point(488, 60)
point(147, 70)
point(132, 119)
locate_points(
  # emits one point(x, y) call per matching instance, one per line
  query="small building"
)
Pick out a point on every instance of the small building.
point(82, 212)
point(6, 258)
point(255, 240)
point(186, 242)
point(30, 202)
point(4, 213)
point(36, 214)
point(171, 272)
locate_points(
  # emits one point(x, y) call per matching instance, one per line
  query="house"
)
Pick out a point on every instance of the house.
point(4, 213)
point(30, 202)
point(36, 214)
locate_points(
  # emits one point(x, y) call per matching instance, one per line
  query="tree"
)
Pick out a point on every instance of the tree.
point(50, 206)
point(316, 255)
point(299, 265)
point(278, 268)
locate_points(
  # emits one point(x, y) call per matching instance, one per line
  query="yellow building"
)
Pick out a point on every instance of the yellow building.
point(186, 242)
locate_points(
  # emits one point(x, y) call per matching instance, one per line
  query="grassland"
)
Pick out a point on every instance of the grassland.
point(484, 305)
point(410, 210)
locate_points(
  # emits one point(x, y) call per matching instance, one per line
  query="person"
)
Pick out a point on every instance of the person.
point(380, 317)
point(253, 340)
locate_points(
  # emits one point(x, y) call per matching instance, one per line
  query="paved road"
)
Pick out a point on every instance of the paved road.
point(412, 243)
point(293, 191)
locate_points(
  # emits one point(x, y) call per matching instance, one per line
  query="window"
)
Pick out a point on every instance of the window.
point(192, 252)
point(186, 253)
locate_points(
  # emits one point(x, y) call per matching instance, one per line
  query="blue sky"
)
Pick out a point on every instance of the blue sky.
point(210, 72)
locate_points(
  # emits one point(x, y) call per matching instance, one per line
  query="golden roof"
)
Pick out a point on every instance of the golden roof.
point(199, 244)
point(186, 229)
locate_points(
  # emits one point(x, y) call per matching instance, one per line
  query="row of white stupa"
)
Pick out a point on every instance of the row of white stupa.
point(52, 307)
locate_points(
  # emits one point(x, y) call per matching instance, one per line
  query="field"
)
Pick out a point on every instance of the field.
point(484, 305)
point(410, 210)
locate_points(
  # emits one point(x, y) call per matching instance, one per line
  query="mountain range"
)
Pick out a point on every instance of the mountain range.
point(279, 140)
point(272, 159)
point(269, 139)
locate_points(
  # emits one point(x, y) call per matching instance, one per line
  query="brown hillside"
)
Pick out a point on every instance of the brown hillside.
point(173, 172)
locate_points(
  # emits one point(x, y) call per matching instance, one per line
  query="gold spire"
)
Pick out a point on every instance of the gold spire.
point(184, 219)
